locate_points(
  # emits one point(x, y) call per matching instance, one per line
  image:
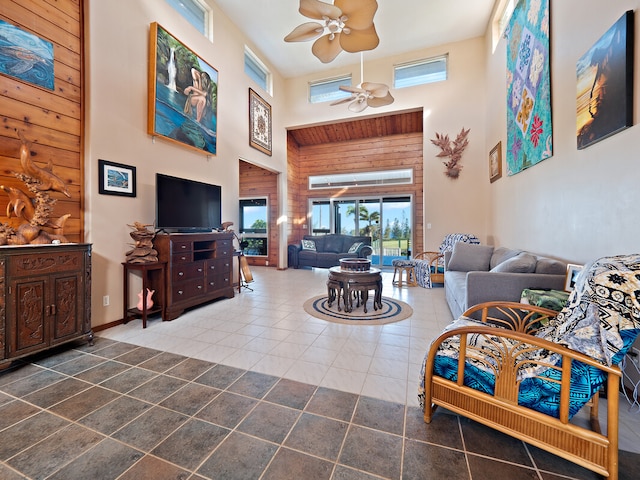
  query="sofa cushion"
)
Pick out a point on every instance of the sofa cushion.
point(470, 258)
point(333, 244)
point(308, 245)
point(521, 263)
point(501, 254)
point(550, 266)
point(354, 248)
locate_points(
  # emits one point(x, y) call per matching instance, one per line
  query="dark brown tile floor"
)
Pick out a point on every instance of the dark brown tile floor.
point(119, 411)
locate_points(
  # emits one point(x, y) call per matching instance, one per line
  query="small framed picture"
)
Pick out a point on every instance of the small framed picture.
point(116, 179)
point(495, 162)
point(572, 273)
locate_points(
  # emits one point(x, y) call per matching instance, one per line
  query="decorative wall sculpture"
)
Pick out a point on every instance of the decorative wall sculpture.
point(529, 128)
point(35, 209)
point(453, 150)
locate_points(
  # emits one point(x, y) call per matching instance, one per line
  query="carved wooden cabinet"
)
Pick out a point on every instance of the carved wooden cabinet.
point(45, 297)
point(198, 269)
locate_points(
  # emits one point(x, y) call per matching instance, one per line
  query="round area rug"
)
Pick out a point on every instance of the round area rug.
point(392, 311)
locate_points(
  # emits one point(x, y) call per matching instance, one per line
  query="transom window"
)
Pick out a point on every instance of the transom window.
point(361, 179)
point(257, 70)
point(197, 13)
point(420, 72)
point(328, 90)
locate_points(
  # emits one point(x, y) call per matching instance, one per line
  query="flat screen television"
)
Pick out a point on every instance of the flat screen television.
point(186, 205)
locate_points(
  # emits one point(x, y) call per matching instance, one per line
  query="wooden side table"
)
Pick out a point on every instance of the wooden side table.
point(146, 270)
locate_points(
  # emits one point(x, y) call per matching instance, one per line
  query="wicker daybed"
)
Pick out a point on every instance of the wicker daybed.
point(519, 368)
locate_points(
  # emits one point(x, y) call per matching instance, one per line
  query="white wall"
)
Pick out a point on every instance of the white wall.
point(450, 205)
point(116, 128)
point(579, 204)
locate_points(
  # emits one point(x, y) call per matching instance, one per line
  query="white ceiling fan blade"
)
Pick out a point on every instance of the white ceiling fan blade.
point(304, 32)
point(326, 49)
point(317, 9)
point(358, 105)
point(376, 89)
point(348, 88)
point(380, 101)
point(341, 101)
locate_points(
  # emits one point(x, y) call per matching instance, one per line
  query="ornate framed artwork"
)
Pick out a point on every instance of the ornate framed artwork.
point(116, 179)
point(259, 123)
point(495, 162)
point(183, 94)
point(604, 97)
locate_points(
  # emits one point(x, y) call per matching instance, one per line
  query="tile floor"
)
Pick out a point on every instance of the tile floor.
point(253, 387)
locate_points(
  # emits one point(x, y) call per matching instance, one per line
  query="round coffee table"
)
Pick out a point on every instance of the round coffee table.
point(356, 284)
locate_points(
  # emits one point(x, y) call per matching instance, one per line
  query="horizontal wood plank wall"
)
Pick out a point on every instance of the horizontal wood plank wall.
point(257, 182)
point(51, 120)
point(362, 155)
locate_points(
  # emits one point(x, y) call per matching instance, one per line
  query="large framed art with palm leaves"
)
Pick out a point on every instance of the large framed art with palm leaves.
point(183, 94)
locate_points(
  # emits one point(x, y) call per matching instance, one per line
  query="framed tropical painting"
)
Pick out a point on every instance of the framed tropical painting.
point(183, 94)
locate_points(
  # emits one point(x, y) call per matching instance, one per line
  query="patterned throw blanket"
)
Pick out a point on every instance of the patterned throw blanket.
point(601, 319)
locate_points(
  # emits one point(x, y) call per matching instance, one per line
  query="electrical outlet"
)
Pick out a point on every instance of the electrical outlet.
point(105, 301)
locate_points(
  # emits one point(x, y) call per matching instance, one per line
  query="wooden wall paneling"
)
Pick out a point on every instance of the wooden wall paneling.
point(357, 155)
point(259, 182)
point(51, 120)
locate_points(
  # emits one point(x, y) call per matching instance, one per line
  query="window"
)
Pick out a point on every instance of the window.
point(420, 72)
point(197, 13)
point(256, 70)
point(253, 226)
point(328, 90)
point(501, 20)
point(361, 179)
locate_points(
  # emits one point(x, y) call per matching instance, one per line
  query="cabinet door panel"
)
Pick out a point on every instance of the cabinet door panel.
point(67, 309)
point(29, 310)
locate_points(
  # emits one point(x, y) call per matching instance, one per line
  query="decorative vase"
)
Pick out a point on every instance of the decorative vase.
point(149, 300)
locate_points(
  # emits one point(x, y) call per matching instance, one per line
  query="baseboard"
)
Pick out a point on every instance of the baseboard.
point(104, 326)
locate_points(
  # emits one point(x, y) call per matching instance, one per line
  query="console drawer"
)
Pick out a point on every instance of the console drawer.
point(187, 271)
point(187, 290)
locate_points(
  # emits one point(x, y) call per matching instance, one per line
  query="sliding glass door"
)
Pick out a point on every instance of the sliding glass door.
point(387, 220)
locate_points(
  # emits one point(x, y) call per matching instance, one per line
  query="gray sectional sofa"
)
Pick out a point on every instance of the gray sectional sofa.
point(480, 273)
point(326, 250)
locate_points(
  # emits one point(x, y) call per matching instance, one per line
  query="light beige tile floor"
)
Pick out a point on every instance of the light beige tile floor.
point(266, 330)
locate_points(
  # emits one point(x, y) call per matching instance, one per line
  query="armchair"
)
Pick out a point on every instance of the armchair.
point(429, 266)
point(526, 371)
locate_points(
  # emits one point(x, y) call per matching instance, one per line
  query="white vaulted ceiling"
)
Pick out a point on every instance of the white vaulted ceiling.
point(402, 25)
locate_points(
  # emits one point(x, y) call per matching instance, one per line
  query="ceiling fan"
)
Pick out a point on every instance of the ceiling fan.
point(346, 25)
point(367, 94)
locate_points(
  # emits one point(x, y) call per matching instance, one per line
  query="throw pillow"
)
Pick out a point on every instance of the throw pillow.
point(551, 267)
point(521, 263)
point(354, 248)
point(470, 257)
point(501, 254)
point(308, 245)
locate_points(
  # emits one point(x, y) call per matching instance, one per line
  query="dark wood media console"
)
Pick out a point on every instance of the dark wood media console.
point(199, 269)
point(45, 297)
